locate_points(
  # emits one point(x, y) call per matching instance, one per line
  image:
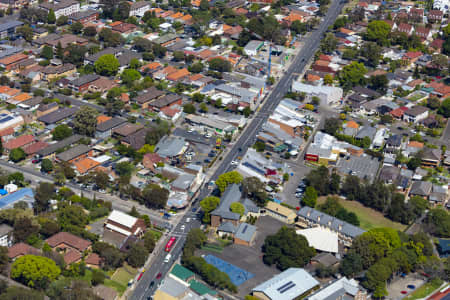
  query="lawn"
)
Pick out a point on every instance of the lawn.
point(124, 274)
point(115, 285)
point(156, 233)
point(424, 290)
point(368, 217)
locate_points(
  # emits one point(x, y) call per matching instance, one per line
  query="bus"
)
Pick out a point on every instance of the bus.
point(170, 244)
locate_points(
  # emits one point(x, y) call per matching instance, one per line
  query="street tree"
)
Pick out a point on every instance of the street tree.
point(46, 165)
point(228, 178)
point(17, 155)
point(209, 204)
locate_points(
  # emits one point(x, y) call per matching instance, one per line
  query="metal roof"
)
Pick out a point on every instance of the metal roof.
point(245, 232)
point(9, 25)
point(287, 285)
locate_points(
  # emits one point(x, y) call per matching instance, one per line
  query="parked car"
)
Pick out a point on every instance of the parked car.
point(158, 276)
point(411, 286)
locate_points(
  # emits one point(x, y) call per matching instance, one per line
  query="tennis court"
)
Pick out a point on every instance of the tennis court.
point(237, 275)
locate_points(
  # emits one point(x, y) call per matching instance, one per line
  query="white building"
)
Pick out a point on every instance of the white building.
point(321, 239)
point(287, 285)
point(342, 288)
point(443, 5)
point(5, 235)
point(138, 9)
point(124, 224)
point(252, 48)
point(61, 8)
point(327, 94)
point(415, 114)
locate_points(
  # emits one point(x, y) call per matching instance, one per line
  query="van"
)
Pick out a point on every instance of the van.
point(168, 257)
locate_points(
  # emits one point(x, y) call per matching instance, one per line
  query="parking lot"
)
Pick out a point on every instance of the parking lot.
point(401, 284)
point(250, 258)
point(289, 190)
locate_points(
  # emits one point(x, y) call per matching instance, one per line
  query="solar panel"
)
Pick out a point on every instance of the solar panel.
point(8, 118)
point(245, 229)
point(286, 287)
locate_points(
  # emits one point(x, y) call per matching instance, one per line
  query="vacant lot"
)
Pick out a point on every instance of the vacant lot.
point(368, 217)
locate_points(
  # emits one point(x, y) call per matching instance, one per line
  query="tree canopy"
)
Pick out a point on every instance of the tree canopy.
point(228, 178)
point(85, 121)
point(107, 65)
point(287, 249)
point(35, 271)
point(208, 204)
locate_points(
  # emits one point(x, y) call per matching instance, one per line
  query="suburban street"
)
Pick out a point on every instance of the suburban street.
point(246, 140)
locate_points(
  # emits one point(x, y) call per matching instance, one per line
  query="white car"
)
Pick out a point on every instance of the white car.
point(188, 220)
point(191, 130)
point(183, 227)
point(234, 163)
point(208, 135)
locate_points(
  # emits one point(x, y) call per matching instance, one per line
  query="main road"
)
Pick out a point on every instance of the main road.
point(143, 290)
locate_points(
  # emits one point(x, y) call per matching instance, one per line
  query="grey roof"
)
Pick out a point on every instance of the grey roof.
point(183, 182)
point(165, 100)
point(52, 148)
point(82, 14)
point(416, 110)
point(406, 173)
point(328, 221)
point(33, 101)
point(148, 95)
point(58, 115)
point(85, 79)
point(5, 229)
point(139, 4)
point(170, 146)
point(325, 258)
point(245, 232)
point(366, 131)
point(421, 188)
point(389, 173)
point(363, 91)
point(342, 288)
point(364, 167)
point(394, 140)
point(110, 124)
point(165, 38)
point(432, 154)
point(126, 57)
point(94, 57)
point(287, 285)
point(253, 45)
point(57, 5)
point(244, 94)
point(173, 287)
point(232, 194)
point(8, 50)
point(227, 227)
point(9, 25)
point(73, 152)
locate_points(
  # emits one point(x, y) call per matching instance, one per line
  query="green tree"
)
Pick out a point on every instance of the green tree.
point(189, 108)
point(107, 65)
point(129, 76)
point(149, 241)
point(444, 109)
point(155, 196)
point(351, 265)
point(209, 204)
point(310, 197)
point(332, 125)
point(237, 208)
point(352, 75)
point(379, 83)
point(71, 216)
point(26, 32)
point(85, 121)
point(35, 271)
point(137, 256)
point(61, 132)
point(98, 277)
point(259, 146)
point(76, 28)
point(329, 43)
point(220, 65)
point(17, 292)
point(51, 18)
point(47, 52)
point(378, 31)
point(17, 155)
point(46, 165)
point(228, 178)
point(90, 31)
point(62, 20)
point(287, 249)
point(24, 227)
point(124, 168)
point(372, 52)
point(438, 222)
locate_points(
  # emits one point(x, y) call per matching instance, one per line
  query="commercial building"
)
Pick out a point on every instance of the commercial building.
point(288, 285)
point(61, 8)
point(139, 8)
point(342, 288)
point(365, 167)
point(328, 94)
point(280, 212)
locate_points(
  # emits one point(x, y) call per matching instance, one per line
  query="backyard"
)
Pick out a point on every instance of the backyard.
point(368, 217)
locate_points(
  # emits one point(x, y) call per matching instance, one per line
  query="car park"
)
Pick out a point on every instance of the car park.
point(411, 286)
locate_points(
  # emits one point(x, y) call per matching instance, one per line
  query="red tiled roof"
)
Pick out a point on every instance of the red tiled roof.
point(72, 256)
point(68, 239)
point(21, 249)
point(7, 131)
point(437, 44)
point(93, 259)
point(19, 142)
point(398, 112)
point(35, 147)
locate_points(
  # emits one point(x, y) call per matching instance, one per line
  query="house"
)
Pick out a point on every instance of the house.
point(93, 260)
point(8, 29)
point(416, 15)
point(421, 188)
point(10, 62)
point(178, 75)
point(415, 114)
point(309, 217)
point(342, 288)
point(123, 28)
point(423, 32)
point(435, 15)
point(85, 165)
point(290, 284)
point(19, 142)
point(50, 150)
point(150, 161)
point(181, 273)
point(136, 140)
point(74, 153)
point(5, 235)
point(21, 249)
point(351, 128)
point(389, 174)
point(252, 47)
point(61, 8)
point(166, 101)
point(147, 96)
point(126, 130)
point(280, 212)
point(405, 28)
point(245, 235)
point(51, 72)
point(393, 143)
point(431, 157)
point(84, 17)
point(58, 115)
point(44, 109)
point(82, 84)
point(104, 129)
point(439, 194)
point(222, 213)
point(70, 246)
point(172, 289)
point(32, 149)
point(139, 8)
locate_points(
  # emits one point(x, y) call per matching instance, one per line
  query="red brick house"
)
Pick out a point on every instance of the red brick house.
point(124, 224)
point(435, 15)
point(21, 141)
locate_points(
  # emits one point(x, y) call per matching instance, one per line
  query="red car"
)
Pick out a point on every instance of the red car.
point(404, 292)
point(140, 276)
point(158, 276)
